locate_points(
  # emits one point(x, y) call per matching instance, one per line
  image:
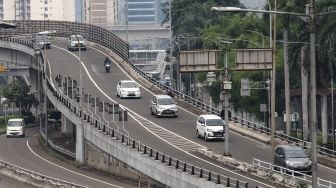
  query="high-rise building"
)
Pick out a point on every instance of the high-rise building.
point(101, 12)
point(141, 11)
point(38, 10)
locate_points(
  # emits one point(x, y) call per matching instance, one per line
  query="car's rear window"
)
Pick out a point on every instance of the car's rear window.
point(214, 122)
point(14, 123)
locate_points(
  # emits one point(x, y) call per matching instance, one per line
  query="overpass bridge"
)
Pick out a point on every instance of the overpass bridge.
point(99, 133)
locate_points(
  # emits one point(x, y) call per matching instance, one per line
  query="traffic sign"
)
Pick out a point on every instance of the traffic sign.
point(295, 116)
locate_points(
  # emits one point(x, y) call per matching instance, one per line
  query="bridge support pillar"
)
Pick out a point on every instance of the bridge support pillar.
point(67, 126)
point(80, 144)
point(33, 75)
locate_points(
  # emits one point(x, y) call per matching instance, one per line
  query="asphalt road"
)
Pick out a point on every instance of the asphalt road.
point(242, 148)
point(26, 153)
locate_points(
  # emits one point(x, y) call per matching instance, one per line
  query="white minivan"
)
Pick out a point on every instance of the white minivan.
point(15, 127)
point(210, 126)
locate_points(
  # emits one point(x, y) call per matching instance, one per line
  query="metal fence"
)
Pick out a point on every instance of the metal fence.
point(305, 178)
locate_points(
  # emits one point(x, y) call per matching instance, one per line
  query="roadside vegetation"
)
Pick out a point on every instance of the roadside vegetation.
point(18, 103)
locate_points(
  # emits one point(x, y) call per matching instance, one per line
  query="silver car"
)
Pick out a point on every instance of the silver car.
point(163, 105)
point(292, 157)
point(128, 89)
point(75, 42)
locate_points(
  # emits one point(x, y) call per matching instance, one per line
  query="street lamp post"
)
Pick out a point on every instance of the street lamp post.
point(226, 87)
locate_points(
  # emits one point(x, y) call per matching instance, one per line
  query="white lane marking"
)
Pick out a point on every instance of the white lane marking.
point(92, 80)
point(77, 173)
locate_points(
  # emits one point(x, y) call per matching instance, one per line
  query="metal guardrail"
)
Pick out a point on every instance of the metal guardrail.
point(40, 179)
point(282, 136)
point(58, 148)
point(293, 174)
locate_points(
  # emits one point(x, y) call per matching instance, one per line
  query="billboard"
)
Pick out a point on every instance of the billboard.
point(254, 59)
point(198, 60)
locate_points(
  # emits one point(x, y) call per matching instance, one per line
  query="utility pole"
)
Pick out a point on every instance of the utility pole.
point(126, 19)
point(312, 33)
point(273, 127)
point(224, 96)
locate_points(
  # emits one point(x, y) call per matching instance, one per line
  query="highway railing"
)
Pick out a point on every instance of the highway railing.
point(35, 178)
point(303, 177)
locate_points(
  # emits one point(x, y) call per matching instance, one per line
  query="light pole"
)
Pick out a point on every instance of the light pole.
point(312, 33)
point(126, 19)
point(171, 43)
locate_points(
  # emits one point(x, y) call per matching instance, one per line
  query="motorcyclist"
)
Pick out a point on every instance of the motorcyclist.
point(107, 61)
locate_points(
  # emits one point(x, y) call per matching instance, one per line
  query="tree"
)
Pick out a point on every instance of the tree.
point(18, 92)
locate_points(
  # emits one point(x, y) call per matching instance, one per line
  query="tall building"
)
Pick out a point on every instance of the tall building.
point(101, 12)
point(141, 11)
point(63, 10)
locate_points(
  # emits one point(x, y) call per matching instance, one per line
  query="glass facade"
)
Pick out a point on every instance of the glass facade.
point(141, 11)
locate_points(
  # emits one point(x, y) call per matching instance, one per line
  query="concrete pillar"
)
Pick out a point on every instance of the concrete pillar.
point(79, 144)
point(33, 80)
point(67, 126)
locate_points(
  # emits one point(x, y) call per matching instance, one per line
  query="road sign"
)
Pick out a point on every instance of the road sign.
point(295, 116)
point(198, 60)
point(254, 59)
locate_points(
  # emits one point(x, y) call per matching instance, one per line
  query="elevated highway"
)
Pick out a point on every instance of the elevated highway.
point(103, 85)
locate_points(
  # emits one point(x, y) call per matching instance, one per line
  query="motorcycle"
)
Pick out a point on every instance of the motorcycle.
point(107, 67)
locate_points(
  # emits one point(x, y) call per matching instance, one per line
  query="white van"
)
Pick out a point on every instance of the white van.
point(210, 126)
point(16, 127)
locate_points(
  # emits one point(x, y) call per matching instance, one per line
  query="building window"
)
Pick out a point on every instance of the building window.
point(46, 8)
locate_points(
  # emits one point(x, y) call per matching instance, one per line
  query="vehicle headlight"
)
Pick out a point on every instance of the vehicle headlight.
point(309, 163)
point(209, 130)
point(174, 108)
point(122, 91)
point(160, 108)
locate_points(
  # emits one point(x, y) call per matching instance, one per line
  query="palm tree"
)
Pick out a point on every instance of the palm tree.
point(326, 42)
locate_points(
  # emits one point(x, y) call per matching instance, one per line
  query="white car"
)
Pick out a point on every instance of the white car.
point(128, 89)
point(163, 105)
point(15, 127)
point(210, 126)
point(75, 42)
